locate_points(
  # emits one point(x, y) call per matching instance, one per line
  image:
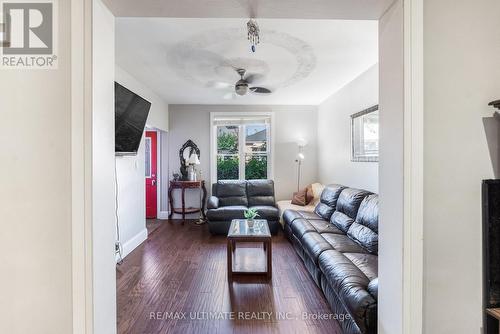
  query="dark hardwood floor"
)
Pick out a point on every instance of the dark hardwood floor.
point(180, 271)
point(153, 224)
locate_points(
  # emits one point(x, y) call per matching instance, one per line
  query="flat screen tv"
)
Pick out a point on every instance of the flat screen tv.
point(131, 113)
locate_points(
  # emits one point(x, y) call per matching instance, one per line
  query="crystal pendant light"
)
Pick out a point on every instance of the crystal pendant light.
point(253, 33)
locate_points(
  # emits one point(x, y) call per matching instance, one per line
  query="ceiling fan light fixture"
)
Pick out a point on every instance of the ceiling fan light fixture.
point(241, 88)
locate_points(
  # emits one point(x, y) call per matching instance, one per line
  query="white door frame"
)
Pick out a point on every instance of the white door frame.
point(413, 221)
point(81, 159)
point(81, 166)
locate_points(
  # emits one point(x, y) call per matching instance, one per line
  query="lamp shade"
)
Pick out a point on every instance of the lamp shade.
point(193, 159)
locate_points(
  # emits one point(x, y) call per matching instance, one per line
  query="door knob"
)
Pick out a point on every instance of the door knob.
point(153, 182)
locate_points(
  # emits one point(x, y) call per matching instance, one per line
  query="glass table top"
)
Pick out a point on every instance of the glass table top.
point(241, 228)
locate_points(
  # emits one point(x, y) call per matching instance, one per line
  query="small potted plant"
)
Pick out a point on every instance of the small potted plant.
point(250, 215)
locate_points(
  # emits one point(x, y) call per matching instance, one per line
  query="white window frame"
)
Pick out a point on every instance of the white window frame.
point(241, 142)
point(356, 157)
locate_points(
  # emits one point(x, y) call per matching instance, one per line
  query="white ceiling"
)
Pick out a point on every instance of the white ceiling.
point(290, 9)
point(302, 61)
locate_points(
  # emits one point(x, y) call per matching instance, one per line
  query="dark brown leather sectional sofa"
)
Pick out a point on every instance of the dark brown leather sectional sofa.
point(338, 243)
point(231, 198)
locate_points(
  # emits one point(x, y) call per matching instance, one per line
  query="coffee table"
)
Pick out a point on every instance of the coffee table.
point(241, 232)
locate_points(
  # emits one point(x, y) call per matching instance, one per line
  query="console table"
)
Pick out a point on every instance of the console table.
point(183, 185)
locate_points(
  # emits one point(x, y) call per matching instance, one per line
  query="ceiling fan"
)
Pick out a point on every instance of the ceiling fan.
point(242, 87)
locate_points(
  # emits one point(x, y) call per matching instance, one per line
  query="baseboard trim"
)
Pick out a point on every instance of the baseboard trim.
point(163, 215)
point(133, 243)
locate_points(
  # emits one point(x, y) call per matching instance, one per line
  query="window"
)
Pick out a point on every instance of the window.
point(365, 137)
point(241, 146)
point(147, 154)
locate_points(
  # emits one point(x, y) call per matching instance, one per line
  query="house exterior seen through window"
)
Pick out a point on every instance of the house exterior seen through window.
point(242, 147)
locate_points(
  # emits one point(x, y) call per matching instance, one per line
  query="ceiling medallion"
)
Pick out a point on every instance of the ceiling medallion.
point(253, 33)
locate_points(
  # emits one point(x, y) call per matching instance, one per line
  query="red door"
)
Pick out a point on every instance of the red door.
point(151, 167)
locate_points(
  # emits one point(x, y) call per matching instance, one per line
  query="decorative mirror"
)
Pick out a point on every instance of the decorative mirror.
point(185, 152)
point(364, 135)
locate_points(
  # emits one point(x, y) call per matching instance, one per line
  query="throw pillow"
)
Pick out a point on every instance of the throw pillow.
point(299, 197)
point(309, 194)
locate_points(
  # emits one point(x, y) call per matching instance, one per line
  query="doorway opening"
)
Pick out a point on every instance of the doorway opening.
point(399, 111)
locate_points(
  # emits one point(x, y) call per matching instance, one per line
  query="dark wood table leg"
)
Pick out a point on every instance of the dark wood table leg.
point(229, 260)
point(269, 259)
point(204, 200)
point(171, 201)
point(183, 205)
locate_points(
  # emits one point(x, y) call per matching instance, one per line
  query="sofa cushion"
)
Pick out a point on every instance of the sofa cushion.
point(310, 215)
point(365, 229)
point(301, 226)
point(349, 201)
point(260, 192)
point(367, 263)
point(226, 213)
point(341, 221)
point(267, 212)
point(290, 215)
point(314, 244)
point(328, 200)
point(231, 192)
point(349, 283)
point(322, 226)
point(347, 207)
point(342, 243)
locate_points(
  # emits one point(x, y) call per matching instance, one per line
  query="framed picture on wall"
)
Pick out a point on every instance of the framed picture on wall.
point(365, 135)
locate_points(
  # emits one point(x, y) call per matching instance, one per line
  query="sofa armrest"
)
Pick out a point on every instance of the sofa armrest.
point(373, 288)
point(213, 203)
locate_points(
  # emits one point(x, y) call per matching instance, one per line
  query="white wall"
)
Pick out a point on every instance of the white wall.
point(165, 176)
point(158, 114)
point(462, 74)
point(334, 134)
point(131, 199)
point(130, 169)
point(35, 179)
point(291, 122)
point(391, 171)
point(103, 159)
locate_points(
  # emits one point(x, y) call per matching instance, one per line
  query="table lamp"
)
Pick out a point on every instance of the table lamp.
point(191, 162)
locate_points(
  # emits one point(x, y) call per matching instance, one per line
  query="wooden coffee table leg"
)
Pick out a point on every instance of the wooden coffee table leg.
point(229, 260)
point(269, 259)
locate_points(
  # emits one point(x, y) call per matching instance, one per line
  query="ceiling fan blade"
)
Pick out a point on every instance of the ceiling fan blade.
point(219, 85)
point(260, 90)
point(254, 78)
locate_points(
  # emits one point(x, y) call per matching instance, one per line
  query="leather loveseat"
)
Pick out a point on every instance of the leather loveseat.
point(230, 199)
point(338, 243)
